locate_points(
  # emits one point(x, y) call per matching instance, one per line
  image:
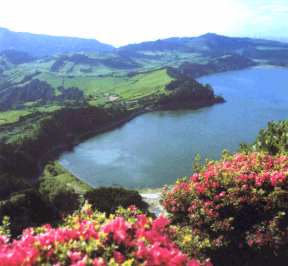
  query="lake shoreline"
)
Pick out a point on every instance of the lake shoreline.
point(55, 152)
point(112, 154)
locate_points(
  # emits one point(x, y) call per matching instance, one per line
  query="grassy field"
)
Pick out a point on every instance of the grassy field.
point(111, 88)
point(22, 123)
point(98, 90)
point(55, 176)
point(147, 61)
point(12, 116)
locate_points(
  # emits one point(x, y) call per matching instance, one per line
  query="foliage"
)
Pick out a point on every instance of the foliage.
point(273, 139)
point(11, 184)
point(5, 227)
point(88, 238)
point(26, 208)
point(67, 126)
point(60, 194)
point(13, 116)
point(38, 92)
point(108, 199)
point(55, 176)
point(235, 208)
point(65, 201)
point(61, 189)
point(223, 63)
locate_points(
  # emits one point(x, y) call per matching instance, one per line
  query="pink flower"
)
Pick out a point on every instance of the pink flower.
point(160, 223)
point(119, 257)
point(3, 240)
point(193, 263)
point(222, 194)
point(200, 188)
point(250, 242)
point(74, 256)
point(99, 262)
point(118, 228)
point(194, 177)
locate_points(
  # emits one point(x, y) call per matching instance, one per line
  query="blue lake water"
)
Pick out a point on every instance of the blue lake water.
point(156, 148)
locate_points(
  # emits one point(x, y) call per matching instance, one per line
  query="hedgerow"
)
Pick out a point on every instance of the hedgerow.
point(233, 210)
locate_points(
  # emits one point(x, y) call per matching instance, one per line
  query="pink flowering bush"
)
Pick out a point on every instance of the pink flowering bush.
point(234, 209)
point(89, 238)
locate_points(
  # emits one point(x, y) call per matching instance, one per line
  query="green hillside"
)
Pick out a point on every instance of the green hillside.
point(133, 76)
point(111, 88)
point(57, 92)
point(71, 89)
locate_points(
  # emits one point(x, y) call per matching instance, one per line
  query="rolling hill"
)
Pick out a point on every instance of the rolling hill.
point(39, 70)
point(206, 47)
point(42, 45)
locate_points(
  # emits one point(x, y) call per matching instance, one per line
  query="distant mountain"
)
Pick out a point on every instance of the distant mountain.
point(206, 49)
point(88, 56)
point(208, 44)
point(43, 45)
point(205, 54)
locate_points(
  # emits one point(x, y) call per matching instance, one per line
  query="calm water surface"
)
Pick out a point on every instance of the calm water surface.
point(156, 148)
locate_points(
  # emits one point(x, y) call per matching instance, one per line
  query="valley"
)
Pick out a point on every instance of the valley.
point(52, 99)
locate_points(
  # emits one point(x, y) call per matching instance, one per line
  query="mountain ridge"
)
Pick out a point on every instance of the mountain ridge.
point(93, 45)
point(37, 44)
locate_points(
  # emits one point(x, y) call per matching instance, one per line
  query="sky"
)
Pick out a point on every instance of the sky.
point(119, 22)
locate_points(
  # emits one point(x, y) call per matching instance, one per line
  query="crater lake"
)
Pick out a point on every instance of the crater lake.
point(156, 148)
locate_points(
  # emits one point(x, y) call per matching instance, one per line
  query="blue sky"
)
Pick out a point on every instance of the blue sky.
point(119, 22)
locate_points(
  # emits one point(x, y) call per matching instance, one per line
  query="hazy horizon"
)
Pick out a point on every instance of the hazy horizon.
point(130, 21)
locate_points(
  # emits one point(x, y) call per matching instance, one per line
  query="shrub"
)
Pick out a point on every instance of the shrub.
point(11, 184)
point(88, 238)
point(66, 201)
point(61, 189)
point(273, 139)
point(108, 199)
point(62, 198)
point(236, 209)
point(26, 208)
